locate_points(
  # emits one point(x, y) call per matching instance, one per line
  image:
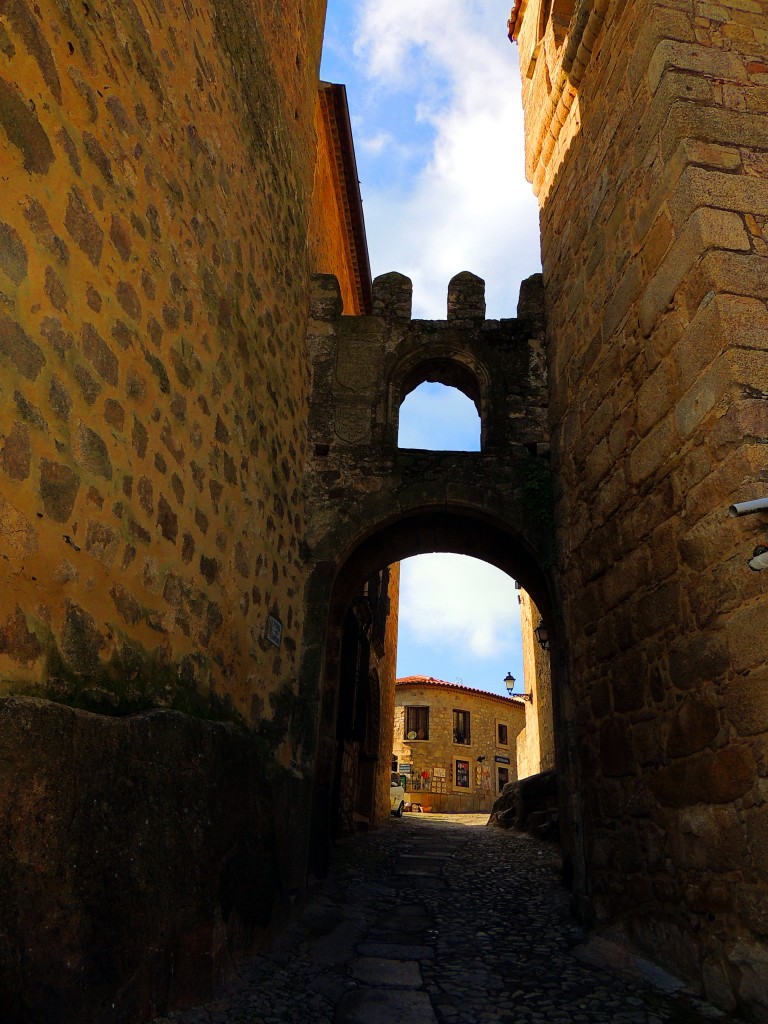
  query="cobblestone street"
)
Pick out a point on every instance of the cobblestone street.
point(439, 919)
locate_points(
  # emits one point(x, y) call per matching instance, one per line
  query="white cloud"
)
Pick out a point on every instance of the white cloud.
point(459, 603)
point(468, 207)
point(385, 145)
point(389, 34)
point(376, 144)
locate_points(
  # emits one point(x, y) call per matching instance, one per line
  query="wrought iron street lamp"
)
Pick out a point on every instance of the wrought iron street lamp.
point(542, 635)
point(509, 682)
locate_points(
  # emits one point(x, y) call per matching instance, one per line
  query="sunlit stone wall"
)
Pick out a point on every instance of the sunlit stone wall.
point(157, 167)
point(156, 161)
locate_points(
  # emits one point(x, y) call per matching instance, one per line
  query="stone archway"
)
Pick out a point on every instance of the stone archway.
point(372, 504)
point(331, 595)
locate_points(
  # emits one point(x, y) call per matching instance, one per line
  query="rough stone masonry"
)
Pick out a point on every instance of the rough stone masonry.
point(157, 162)
point(646, 142)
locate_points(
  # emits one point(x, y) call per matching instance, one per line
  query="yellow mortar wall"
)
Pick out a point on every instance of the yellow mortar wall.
point(157, 163)
point(648, 155)
point(440, 752)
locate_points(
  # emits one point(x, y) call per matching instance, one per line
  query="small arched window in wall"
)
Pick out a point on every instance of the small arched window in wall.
point(438, 418)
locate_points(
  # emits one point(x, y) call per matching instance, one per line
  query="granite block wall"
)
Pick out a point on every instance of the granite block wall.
point(646, 134)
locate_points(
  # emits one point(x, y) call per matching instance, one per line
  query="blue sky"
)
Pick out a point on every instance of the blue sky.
point(434, 94)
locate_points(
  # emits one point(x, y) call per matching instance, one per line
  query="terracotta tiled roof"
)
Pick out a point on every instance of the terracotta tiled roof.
point(431, 681)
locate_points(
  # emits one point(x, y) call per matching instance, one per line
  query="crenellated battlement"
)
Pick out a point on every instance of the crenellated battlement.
point(393, 296)
point(363, 367)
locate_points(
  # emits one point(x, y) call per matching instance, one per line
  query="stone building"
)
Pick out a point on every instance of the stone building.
point(172, 176)
point(456, 747)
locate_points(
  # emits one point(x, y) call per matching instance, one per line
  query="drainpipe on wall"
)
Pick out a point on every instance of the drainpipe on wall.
point(745, 508)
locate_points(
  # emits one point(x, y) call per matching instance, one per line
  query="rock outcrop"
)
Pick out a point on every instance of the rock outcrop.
point(529, 805)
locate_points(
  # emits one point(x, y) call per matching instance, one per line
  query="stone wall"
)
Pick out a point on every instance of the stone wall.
point(646, 137)
point(362, 368)
point(360, 742)
point(387, 669)
point(157, 165)
point(536, 744)
point(437, 753)
point(157, 170)
point(136, 856)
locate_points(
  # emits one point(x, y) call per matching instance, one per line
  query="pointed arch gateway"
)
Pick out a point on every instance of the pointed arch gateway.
point(371, 504)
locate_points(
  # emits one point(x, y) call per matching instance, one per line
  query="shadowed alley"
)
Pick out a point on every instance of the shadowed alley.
point(440, 919)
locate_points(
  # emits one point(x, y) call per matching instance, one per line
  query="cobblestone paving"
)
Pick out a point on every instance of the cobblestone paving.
point(439, 920)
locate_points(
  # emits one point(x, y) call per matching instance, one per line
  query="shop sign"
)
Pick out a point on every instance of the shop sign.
point(501, 760)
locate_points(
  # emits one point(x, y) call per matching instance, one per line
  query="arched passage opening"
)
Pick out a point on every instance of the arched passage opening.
point(334, 590)
point(459, 621)
point(435, 417)
point(448, 375)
